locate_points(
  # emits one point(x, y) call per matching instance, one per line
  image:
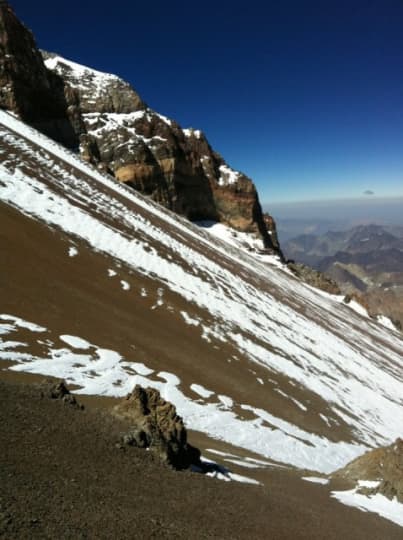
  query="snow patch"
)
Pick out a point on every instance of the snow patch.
point(75, 342)
point(358, 308)
point(58, 64)
point(379, 504)
point(203, 392)
point(386, 322)
point(220, 473)
point(228, 176)
point(190, 132)
point(371, 484)
point(20, 323)
point(190, 320)
point(164, 118)
point(226, 401)
point(316, 479)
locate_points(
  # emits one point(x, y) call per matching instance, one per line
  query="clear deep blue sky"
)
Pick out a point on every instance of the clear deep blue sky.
point(304, 96)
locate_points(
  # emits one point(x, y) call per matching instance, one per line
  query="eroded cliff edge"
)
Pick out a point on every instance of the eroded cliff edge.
point(105, 119)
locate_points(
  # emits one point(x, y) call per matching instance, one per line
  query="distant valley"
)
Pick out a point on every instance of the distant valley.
point(366, 260)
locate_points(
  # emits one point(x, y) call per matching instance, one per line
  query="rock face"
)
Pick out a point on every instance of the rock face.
point(314, 277)
point(156, 425)
point(29, 89)
point(384, 465)
point(153, 154)
point(96, 92)
point(271, 228)
point(113, 128)
point(58, 390)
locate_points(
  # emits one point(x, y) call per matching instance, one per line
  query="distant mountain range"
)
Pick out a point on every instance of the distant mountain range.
point(367, 260)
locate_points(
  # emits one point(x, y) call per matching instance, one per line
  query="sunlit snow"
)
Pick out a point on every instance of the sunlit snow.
point(379, 504)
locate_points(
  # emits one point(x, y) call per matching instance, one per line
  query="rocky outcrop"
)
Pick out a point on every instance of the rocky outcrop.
point(383, 466)
point(51, 389)
point(96, 92)
point(313, 277)
point(271, 228)
point(157, 426)
point(29, 89)
point(113, 128)
point(153, 154)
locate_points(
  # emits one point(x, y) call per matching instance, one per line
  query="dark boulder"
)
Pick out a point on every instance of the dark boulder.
point(58, 390)
point(157, 426)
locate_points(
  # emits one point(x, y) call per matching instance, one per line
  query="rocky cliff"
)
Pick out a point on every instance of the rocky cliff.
point(113, 128)
point(28, 89)
point(383, 467)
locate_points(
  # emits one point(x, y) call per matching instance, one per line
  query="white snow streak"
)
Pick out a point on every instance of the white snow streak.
point(379, 504)
point(316, 479)
point(75, 342)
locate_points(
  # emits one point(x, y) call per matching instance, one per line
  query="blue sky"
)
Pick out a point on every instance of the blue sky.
point(304, 96)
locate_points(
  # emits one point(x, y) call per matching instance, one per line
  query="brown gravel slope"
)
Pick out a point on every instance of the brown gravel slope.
point(62, 476)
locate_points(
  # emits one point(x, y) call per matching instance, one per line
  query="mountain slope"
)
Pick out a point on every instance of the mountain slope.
point(67, 479)
point(247, 353)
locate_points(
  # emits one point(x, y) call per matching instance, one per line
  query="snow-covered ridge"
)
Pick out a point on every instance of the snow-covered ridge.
point(96, 90)
point(278, 323)
point(77, 71)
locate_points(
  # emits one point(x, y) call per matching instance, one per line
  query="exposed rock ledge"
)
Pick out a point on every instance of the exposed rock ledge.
point(313, 277)
point(383, 466)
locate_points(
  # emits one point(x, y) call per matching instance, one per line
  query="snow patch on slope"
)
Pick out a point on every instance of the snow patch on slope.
point(190, 132)
point(228, 176)
point(386, 322)
point(56, 63)
point(379, 504)
point(75, 342)
point(242, 240)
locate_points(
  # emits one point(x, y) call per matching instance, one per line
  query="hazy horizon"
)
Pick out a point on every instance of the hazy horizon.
point(371, 209)
point(318, 217)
